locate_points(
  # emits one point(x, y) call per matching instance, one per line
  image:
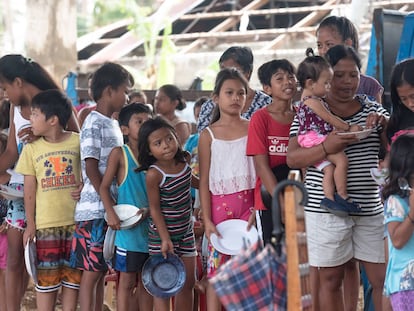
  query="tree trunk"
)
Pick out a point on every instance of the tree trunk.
point(51, 35)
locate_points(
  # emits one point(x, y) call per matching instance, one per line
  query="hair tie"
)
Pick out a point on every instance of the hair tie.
point(309, 52)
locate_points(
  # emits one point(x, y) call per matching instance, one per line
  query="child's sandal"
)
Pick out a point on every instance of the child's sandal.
point(351, 206)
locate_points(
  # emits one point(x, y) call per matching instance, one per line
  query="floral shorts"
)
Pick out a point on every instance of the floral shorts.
point(53, 246)
point(215, 260)
point(87, 246)
point(16, 216)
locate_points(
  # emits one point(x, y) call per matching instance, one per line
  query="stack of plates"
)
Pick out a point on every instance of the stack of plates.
point(128, 215)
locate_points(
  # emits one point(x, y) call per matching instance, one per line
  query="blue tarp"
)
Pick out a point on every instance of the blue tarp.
point(406, 49)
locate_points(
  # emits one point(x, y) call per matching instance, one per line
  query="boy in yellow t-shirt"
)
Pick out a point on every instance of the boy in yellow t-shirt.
point(51, 169)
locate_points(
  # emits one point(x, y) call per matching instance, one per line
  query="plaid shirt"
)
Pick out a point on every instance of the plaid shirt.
point(253, 280)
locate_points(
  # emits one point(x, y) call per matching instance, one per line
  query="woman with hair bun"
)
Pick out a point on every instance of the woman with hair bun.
point(168, 99)
point(339, 30)
point(337, 243)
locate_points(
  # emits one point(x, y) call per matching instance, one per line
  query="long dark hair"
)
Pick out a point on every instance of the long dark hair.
point(145, 158)
point(401, 117)
point(14, 66)
point(401, 165)
point(4, 114)
point(174, 93)
point(224, 75)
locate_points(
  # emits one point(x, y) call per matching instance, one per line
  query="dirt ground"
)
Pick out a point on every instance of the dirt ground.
point(29, 301)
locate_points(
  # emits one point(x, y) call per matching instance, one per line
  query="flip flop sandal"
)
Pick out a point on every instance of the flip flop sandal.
point(334, 207)
point(350, 206)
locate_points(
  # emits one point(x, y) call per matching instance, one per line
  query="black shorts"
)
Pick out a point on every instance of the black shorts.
point(127, 261)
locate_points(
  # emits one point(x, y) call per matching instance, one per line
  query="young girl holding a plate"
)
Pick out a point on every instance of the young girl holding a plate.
point(227, 175)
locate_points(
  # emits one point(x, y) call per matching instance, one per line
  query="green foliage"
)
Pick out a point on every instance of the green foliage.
point(148, 30)
point(145, 30)
point(82, 25)
point(209, 76)
point(106, 12)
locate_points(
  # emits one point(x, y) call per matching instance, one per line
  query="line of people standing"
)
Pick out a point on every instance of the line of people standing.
point(250, 149)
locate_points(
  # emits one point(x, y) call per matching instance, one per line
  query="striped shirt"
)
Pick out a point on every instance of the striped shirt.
point(362, 156)
point(99, 135)
point(175, 203)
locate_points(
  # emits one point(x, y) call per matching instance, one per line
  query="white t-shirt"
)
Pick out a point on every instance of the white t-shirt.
point(99, 135)
point(19, 123)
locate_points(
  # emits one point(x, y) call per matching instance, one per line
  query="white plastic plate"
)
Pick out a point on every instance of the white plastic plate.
point(109, 244)
point(234, 233)
point(379, 175)
point(30, 259)
point(359, 134)
point(127, 214)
